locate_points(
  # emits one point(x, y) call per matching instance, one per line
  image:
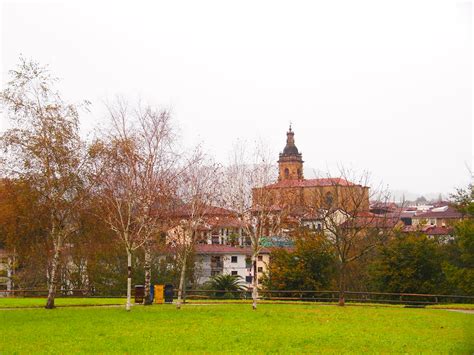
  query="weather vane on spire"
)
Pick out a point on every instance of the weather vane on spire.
point(290, 125)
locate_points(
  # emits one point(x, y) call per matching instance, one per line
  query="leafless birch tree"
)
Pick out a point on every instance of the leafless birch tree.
point(159, 175)
point(136, 164)
point(246, 175)
point(44, 148)
point(199, 190)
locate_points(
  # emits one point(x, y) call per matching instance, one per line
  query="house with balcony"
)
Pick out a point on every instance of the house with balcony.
point(219, 259)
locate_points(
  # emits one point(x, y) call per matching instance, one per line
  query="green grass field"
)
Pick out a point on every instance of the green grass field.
point(234, 328)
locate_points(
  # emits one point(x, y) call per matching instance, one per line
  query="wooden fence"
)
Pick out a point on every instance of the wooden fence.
point(277, 295)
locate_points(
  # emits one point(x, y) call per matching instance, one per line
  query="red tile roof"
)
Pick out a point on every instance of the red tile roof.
point(225, 221)
point(450, 212)
point(374, 221)
point(184, 211)
point(429, 230)
point(226, 249)
point(310, 183)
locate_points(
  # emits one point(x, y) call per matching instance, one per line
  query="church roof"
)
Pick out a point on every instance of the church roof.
point(310, 183)
point(290, 150)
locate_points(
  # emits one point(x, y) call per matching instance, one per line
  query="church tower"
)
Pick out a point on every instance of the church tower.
point(290, 164)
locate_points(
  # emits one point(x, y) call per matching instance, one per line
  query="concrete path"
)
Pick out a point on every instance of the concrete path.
point(467, 311)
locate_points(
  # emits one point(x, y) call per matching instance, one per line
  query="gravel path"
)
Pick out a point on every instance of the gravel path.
point(467, 311)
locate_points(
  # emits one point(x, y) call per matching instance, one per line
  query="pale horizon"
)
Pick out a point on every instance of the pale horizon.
point(378, 87)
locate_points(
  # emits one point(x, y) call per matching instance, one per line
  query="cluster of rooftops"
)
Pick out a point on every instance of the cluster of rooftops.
point(433, 219)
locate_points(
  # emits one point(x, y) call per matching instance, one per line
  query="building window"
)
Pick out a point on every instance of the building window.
point(260, 258)
point(234, 273)
point(287, 173)
point(248, 279)
point(329, 199)
point(260, 269)
point(233, 259)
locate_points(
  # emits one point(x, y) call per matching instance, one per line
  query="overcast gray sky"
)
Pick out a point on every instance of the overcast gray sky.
point(383, 86)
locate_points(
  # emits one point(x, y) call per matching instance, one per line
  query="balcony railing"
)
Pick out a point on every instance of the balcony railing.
point(217, 265)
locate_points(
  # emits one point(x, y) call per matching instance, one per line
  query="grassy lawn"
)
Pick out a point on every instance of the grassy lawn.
point(235, 328)
point(60, 302)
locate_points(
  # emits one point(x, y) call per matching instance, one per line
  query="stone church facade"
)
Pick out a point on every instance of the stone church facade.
point(304, 197)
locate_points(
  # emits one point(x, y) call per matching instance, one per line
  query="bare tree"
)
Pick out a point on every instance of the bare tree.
point(198, 190)
point(135, 162)
point(349, 226)
point(246, 176)
point(44, 148)
point(159, 176)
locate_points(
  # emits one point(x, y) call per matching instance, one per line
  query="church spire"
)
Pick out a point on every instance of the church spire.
point(290, 148)
point(290, 162)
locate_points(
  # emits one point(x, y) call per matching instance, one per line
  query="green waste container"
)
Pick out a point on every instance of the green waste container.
point(139, 293)
point(169, 292)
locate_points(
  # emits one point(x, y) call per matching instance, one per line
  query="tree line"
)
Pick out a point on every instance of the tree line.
point(405, 263)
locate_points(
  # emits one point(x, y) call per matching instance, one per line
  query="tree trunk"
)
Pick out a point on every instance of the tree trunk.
point(53, 277)
point(181, 281)
point(11, 272)
point(254, 284)
point(129, 280)
point(342, 285)
point(147, 300)
point(84, 276)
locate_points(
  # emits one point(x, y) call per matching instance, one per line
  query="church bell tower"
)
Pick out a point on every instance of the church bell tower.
point(290, 164)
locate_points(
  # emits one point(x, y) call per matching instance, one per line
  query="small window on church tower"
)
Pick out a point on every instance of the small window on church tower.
point(287, 173)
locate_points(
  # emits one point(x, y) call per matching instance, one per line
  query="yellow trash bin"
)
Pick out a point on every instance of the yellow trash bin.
point(159, 291)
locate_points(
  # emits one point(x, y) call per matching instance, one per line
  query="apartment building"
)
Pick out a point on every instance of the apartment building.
point(218, 259)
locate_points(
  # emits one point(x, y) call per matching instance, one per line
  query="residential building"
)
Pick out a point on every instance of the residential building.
point(443, 216)
point(218, 226)
point(212, 260)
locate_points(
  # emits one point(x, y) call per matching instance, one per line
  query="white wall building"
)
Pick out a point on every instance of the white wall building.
point(214, 260)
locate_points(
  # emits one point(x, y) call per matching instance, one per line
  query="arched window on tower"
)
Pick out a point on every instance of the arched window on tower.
point(299, 174)
point(287, 173)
